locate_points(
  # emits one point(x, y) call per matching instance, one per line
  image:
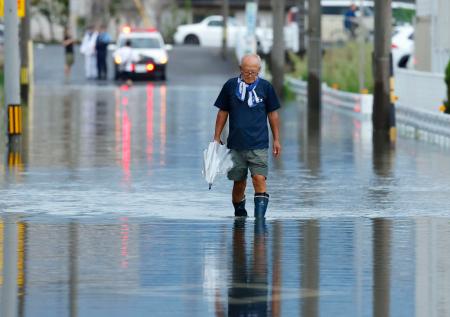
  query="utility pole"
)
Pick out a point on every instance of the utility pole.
point(277, 56)
point(301, 28)
point(24, 54)
point(381, 69)
point(225, 12)
point(12, 69)
point(362, 48)
point(314, 56)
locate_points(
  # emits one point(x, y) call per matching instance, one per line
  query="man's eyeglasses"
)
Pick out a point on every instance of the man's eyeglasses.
point(249, 73)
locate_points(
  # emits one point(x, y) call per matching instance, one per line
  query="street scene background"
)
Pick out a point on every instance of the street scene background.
point(104, 210)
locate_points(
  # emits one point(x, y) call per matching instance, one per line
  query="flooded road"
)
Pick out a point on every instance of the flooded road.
point(108, 210)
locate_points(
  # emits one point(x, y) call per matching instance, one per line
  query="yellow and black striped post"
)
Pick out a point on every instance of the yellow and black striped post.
point(14, 120)
point(393, 99)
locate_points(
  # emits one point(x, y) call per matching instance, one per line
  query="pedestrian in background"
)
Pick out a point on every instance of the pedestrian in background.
point(127, 57)
point(249, 101)
point(350, 22)
point(88, 50)
point(68, 52)
point(101, 47)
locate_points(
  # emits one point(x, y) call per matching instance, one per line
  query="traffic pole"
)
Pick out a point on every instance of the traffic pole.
point(24, 54)
point(225, 13)
point(12, 69)
point(382, 107)
point(314, 57)
point(277, 57)
point(301, 28)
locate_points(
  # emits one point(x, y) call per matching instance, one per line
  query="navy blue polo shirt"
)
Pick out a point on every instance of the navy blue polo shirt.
point(248, 128)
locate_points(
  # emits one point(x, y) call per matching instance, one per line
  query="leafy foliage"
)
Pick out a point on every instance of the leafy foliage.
point(340, 67)
point(54, 10)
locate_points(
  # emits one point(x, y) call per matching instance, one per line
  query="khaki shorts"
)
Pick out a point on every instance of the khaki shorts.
point(70, 59)
point(255, 160)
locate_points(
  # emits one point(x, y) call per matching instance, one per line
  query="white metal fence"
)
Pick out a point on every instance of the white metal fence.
point(417, 111)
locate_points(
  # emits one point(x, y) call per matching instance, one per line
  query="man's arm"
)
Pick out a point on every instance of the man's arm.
point(274, 122)
point(221, 119)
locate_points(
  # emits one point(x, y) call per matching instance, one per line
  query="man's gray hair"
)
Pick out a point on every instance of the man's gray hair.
point(251, 55)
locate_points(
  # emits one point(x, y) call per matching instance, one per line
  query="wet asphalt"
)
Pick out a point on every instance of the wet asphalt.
point(105, 203)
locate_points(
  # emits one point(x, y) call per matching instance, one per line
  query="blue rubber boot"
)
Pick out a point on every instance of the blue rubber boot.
point(261, 202)
point(239, 209)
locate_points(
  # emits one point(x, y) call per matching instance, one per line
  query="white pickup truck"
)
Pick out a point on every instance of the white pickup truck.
point(209, 33)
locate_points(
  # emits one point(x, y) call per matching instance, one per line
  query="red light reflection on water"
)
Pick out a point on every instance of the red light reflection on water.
point(126, 144)
point(150, 105)
point(124, 237)
point(163, 127)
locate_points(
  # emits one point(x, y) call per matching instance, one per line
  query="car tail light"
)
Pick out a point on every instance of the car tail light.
point(150, 67)
point(133, 68)
point(394, 45)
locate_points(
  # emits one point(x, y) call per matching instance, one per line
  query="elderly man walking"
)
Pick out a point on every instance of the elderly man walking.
point(249, 101)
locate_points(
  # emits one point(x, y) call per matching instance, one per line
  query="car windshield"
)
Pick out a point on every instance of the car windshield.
point(141, 42)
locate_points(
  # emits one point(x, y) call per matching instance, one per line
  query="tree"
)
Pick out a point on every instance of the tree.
point(55, 11)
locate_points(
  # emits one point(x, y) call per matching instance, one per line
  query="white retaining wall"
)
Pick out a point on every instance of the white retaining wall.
point(420, 90)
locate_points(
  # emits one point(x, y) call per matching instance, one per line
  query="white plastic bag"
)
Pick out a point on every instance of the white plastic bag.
point(216, 160)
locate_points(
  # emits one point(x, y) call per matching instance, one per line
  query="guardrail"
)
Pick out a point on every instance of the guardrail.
point(424, 124)
point(357, 103)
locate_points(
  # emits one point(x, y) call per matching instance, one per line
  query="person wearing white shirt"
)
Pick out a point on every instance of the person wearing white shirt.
point(127, 58)
point(88, 50)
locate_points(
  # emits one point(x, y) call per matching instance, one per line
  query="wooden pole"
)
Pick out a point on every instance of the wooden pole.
point(277, 55)
point(225, 12)
point(381, 69)
point(314, 56)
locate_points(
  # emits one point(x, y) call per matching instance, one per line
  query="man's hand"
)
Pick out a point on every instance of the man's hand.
point(276, 148)
point(221, 119)
point(274, 122)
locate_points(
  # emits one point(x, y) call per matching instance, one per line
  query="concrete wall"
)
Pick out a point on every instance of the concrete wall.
point(432, 37)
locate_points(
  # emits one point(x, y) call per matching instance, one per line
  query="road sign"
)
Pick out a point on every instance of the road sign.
point(20, 8)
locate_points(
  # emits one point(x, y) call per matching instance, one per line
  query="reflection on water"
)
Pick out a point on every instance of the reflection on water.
point(309, 248)
point(248, 292)
point(107, 215)
point(381, 267)
point(315, 267)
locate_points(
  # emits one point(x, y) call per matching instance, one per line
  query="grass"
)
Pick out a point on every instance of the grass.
point(340, 67)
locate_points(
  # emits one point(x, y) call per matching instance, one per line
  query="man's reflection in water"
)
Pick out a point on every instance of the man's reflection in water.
point(248, 294)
